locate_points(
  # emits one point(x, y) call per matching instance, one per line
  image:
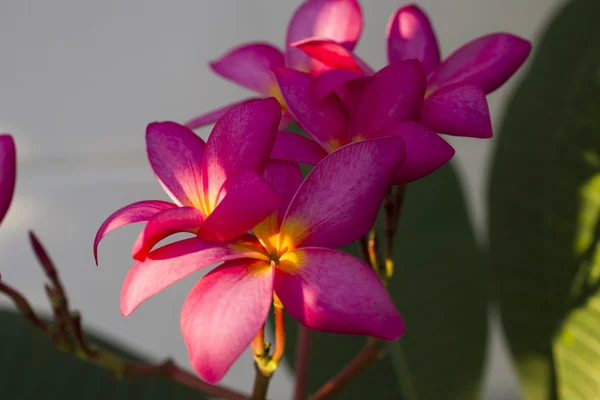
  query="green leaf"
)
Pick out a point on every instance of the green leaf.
point(544, 212)
point(439, 288)
point(32, 368)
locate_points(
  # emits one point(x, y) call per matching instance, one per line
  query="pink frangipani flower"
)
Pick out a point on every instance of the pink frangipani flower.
point(250, 64)
point(291, 258)
point(217, 189)
point(378, 106)
point(8, 172)
point(454, 101)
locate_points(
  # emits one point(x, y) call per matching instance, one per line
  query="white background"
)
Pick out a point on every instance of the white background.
point(80, 80)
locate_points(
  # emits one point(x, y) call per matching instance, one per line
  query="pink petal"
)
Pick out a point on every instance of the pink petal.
point(339, 200)
point(395, 94)
point(328, 81)
point(175, 152)
point(296, 148)
point(351, 92)
point(330, 53)
point(338, 20)
point(331, 291)
point(141, 211)
point(250, 66)
point(426, 151)
point(175, 261)
point(244, 200)
point(223, 313)
point(411, 36)
point(8, 172)
point(164, 224)
point(458, 110)
point(212, 116)
point(487, 62)
point(325, 121)
point(241, 140)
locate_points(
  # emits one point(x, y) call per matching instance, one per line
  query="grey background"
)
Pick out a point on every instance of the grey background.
point(80, 80)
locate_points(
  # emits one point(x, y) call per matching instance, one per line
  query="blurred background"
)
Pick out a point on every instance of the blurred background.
point(79, 82)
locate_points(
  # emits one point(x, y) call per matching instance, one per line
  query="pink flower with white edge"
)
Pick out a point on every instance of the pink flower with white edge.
point(291, 255)
point(378, 106)
point(454, 101)
point(8, 172)
point(217, 189)
point(250, 64)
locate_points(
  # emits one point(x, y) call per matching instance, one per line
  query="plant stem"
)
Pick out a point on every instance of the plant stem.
point(23, 306)
point(261, 384)
point(279, 333)
point(302, 361)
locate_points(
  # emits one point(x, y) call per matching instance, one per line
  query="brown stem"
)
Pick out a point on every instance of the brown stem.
point(23, 306)
point(360, 363)
point(261, 384)
point(302, 361)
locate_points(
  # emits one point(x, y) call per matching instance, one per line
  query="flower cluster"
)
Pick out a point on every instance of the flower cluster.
point(242, 197)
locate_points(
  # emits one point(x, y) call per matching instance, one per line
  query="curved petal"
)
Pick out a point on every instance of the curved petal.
point(164, 224)
point(173, 262)
point(486, 62)
point(212, 116)
point(338, 20)
point(223, 313)
point(458, 110)
point(8, 172)
point(293, 147)
point(330, 53)
point(326, 121)
point(241, 140)
point(395, 94)
point(141, 211)
point(328, 81)
point(331, 291)
point(175, 153)
point(244, 200)
point(250, 66)
point(411, 36)
point(339, 200)
point(426, 151)
point(351, 92)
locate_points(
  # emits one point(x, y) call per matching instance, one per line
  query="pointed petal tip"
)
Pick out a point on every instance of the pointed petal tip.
point(8, 172)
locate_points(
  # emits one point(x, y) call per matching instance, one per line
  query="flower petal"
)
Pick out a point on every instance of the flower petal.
point(328, 81)
point(8, 172)
point(351, 92)
point(223, 313)
point(250, 66)
point(241, 140)
point(175, 152)
point(244, 200)
point(458, 110)
point(339, 200)
point(411, 36)
point(168, 264)
point(141, 211)
point(330, 53)
point(487, 62)
point(331, 291)
point(293, 147)
point(395, 94)
point(338, 20)
point(164, 224)
point(212, 116)
point(326, 121)
point(426, 151)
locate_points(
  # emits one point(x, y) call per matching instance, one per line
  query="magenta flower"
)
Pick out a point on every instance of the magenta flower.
point(250, 64)
point(8, 172)
point(217, 189)
point(455, 102)
point(373, 107)
point(291, 255)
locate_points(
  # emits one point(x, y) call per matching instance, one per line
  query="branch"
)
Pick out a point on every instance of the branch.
point(302, 361)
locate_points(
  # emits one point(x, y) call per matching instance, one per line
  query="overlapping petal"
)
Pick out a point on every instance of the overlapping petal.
point(331, 291)
point(330, 53)
point(250, 65)
point(140, 211)
point(8, 172)
point(173, 262)
point(338, 20)
point(293, 147)
point(486, 62)
point(411, 36)
point(212, 116)
point(175, 154)
point(223, 313)
point(328, 81)
point(339, 200)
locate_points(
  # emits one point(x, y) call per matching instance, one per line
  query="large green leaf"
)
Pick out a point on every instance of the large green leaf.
point(544, 204)
point(439, 287)
point(32, 368)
